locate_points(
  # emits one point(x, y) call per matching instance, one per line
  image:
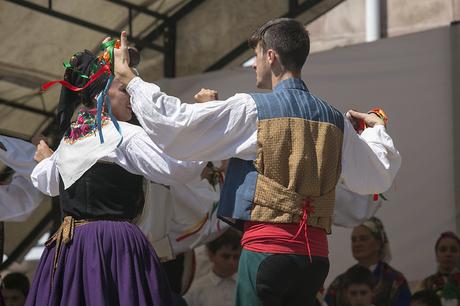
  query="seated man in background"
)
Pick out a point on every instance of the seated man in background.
point(15, 287)
point(218, 286)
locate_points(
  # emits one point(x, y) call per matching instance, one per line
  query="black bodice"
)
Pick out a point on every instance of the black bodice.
point(105, 192)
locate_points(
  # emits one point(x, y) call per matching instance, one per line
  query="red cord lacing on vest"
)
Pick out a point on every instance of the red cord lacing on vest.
point(307, 208)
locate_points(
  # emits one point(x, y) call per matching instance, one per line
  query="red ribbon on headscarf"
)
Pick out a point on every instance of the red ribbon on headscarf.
point(94, 77)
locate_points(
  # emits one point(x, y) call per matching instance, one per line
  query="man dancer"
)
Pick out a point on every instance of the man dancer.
point(288, 149)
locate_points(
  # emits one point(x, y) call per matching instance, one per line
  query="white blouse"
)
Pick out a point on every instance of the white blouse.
point(136, 153)
point(219, 130)
point(19, 198)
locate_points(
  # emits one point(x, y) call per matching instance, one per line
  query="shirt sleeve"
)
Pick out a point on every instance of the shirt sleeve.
point(215, 130)
point(45, 176)
point(18, 199)
point(370, 161)
point(19, 155)
point(141, 156)
point(352, 209)
point(219, 130)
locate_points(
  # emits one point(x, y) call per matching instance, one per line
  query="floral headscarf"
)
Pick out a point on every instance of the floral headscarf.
point(375, 226)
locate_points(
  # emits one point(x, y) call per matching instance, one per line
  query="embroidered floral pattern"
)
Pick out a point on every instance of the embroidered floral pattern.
point(85, 125)
point(437, 282)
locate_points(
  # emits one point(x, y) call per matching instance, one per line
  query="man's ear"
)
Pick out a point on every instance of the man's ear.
point(271, 56)
point(2, 147)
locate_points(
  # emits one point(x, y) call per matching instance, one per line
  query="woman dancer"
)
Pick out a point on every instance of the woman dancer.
point(98, 257)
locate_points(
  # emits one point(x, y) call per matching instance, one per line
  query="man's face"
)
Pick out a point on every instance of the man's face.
point(120, 101)
point(263, 70)
point(448, 254)
point(359, 295)
point(225, 261)
point(364, 245)
point(13, 297)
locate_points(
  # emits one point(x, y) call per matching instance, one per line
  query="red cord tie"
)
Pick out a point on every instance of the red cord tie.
point(307, 208)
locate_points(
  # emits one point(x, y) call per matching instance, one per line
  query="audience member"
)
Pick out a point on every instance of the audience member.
point(359, 286)
point(370, 248)
point(218, 286)
point(15, 287)
point(446, 281)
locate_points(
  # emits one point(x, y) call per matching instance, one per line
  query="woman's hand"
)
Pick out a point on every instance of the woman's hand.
point(43, 151)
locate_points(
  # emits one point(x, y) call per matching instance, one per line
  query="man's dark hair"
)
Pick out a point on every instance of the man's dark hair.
point(427, 297)
point(230, 238)
point(287, 37)
point(16, 281)
point(358, 275)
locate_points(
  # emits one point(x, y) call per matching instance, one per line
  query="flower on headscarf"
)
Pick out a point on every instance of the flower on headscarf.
point(85, 129)
point(84, 125)
point(76, 133)
point(71, 135)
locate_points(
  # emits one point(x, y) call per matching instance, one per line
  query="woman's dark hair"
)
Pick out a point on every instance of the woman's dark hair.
point(443, 235)
point(287, 37)
point(81, 66)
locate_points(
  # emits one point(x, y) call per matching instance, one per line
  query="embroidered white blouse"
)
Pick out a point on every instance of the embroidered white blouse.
point(136, 153)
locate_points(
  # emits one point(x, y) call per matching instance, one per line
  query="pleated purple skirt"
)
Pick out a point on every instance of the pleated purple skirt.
point(108, 263)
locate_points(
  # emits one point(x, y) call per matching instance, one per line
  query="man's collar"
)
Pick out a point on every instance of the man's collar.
point(216, 279)
point(291, 83)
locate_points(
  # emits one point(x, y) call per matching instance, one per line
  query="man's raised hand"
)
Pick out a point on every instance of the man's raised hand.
point(121, 61)
point(370, 119)
point(206, 95)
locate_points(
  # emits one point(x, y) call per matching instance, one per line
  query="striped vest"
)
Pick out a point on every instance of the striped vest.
point(299, 143)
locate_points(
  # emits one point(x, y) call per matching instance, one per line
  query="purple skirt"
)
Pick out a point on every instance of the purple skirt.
point(107, 263)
